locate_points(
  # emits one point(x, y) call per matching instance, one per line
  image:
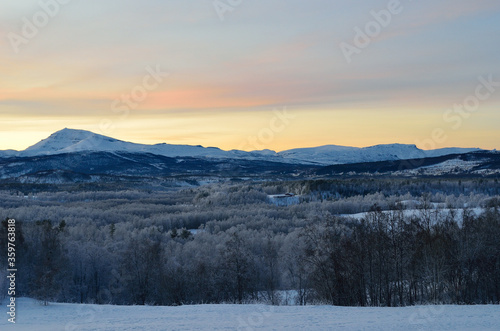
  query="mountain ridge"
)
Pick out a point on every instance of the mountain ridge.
point(74, 141)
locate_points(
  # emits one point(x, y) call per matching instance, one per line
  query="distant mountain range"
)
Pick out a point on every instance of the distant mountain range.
point(76, 156)
point(74, 141)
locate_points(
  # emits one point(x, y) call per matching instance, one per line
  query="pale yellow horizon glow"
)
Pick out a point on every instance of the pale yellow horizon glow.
point(264, 130)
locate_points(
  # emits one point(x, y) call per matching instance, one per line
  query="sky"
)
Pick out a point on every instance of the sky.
point(252, 74)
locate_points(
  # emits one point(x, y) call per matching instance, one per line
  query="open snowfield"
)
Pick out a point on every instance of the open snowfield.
point(33, 316)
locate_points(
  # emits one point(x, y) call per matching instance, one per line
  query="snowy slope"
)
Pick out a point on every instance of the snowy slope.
point(448, 151)
point(8, 153)
point(71, 141)
point(54, 317)
point(332, 154)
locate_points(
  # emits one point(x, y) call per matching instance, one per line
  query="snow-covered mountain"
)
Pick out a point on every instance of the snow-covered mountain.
point(8, 153)
point(332, 154)
point(72, 141)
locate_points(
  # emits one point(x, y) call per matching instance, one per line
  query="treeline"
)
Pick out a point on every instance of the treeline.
point(391, 258)
point(345, 188)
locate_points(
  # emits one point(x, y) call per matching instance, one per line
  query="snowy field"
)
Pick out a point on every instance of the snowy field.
point(408, 213)
point(34, 317)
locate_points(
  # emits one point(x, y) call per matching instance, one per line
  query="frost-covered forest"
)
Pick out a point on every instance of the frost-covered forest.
point(417, 241)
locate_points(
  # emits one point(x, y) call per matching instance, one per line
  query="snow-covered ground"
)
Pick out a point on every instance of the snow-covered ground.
point(32, 316)
point(443, 212)
point(447, 167)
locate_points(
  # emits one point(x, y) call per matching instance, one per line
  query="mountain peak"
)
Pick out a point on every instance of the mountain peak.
point(394, 145)
point(72, 134)
point(67, 141)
